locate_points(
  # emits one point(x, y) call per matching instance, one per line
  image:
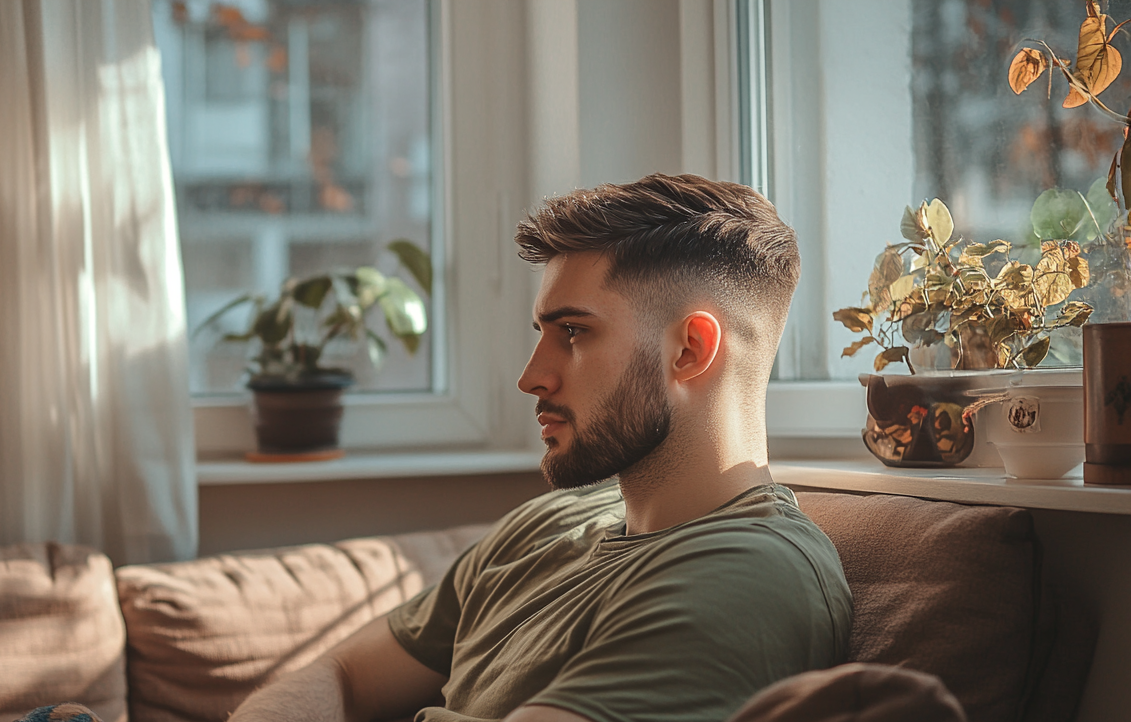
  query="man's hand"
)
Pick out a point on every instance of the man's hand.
point(368, 676)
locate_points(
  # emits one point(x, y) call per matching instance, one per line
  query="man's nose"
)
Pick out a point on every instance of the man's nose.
point(538, 378)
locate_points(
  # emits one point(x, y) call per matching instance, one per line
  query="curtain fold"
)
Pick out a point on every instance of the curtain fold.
point(96, 442)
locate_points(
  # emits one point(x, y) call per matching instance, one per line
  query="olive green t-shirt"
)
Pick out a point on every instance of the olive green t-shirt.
point(557, 606)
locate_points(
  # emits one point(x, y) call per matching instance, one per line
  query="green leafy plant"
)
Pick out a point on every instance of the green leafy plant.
point(292, 330)
point(991, 310)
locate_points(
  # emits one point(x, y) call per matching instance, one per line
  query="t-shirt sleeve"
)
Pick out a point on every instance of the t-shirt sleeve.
point(701, 627)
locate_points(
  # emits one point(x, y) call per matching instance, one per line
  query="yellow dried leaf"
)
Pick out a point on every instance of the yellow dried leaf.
point(1027, 66)
point(1078, 271)
point(1050, 278)
point(1097, 62)
point(902, 287)
point(1014, 284)
point(854, 319)
point(939, 221)
point(856, 346)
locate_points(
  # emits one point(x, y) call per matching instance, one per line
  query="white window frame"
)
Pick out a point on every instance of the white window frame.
point(480, 190)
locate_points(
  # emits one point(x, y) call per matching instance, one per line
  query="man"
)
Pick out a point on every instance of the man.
point(673, 592)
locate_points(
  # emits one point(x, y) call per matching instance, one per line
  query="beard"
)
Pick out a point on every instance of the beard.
point(629, 423)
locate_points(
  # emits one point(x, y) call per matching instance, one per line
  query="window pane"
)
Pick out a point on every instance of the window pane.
point(300, 141)
point(924, 111)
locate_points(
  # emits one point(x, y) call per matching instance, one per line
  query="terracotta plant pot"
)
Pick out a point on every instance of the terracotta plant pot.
point(298, 416)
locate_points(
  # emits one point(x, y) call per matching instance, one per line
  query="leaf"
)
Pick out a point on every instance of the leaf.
point(1058, 213)
point(918, 328)
point(312, 291)
point(234, 303)
point(404, 312)
point(854, 319)
point(1125, 170)
point(1050, 277)
point(856, 346)
point(1014, 284)
point(1027, 66)
point(375, 345)
point(1078, 271)
point(939, 221)
point(888, 268)
point(1035, 352)
point(274, 323)
point(371, 285)
point(891, 355)
point(1075, 313)
point(902, 287)
point(1111, 174)
point(418, 263)
point(1097, 62)
point(1103, 208)
point(1000, 328)
point(910, 228)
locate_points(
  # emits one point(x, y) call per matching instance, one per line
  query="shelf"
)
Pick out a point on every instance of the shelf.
point(368, 465)
point(969, 486)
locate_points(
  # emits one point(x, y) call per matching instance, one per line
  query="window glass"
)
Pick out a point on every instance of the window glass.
point(923, 109)
point(300, 141)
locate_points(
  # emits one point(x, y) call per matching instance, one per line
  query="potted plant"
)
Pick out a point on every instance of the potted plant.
point(982, 308)
point(298, 405)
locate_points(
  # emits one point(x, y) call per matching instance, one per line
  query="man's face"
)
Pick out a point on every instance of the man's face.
point(602, 401)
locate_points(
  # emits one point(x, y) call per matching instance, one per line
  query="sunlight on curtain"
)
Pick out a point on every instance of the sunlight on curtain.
point(96, 442)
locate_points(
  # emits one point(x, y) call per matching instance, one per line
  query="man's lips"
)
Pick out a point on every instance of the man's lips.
point(550, 423)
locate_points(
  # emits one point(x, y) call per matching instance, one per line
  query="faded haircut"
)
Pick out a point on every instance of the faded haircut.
point(676, 240)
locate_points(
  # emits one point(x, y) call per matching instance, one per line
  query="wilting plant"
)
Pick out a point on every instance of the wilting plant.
point(1098, 64)
point(992, 311)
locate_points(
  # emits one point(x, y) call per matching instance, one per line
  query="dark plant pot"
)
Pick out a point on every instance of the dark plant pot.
point(918, 421)
point(298, 416)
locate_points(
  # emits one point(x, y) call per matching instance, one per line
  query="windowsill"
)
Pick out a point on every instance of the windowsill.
point(969, 486)
point(368, 465)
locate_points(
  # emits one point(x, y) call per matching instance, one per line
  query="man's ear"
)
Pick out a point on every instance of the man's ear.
point(698, 337)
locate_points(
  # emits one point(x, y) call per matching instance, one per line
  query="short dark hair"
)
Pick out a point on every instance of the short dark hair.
point(671, 237)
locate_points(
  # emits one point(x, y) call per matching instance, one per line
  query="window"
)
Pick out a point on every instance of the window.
point(413, 131)
point(301, 141)
point(871, 106)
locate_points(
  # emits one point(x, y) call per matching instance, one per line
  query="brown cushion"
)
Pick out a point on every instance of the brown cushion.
point(854, 693)
point(61, 634)
point(943, 588)
point(202, 635)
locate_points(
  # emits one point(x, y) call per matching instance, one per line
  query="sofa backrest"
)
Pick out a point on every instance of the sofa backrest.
point(955, 591)
point(61, 632)
point(203, 634)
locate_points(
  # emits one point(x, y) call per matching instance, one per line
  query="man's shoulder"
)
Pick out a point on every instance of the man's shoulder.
point(554, 513)
point(761, 524)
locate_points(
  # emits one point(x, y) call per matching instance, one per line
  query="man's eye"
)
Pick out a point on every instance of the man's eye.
point(571, 331)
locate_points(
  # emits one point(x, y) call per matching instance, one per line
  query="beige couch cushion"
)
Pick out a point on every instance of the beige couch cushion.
point(61, 634)
point(202, 635)
point(943, 588)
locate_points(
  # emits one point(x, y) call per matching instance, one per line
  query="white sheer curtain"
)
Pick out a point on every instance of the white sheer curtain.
point(96, 442)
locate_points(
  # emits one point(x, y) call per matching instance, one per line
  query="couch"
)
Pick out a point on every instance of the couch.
point(947, 589)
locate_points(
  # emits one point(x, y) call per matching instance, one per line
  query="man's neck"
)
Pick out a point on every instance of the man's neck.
point(686, 478)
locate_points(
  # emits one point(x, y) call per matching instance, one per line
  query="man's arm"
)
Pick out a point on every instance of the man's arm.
point(368, 676)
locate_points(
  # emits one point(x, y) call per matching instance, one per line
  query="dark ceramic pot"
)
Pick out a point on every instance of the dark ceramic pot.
point(298, 416)
point(919, 421)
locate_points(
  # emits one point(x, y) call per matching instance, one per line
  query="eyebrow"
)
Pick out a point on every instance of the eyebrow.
point(562, 312)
